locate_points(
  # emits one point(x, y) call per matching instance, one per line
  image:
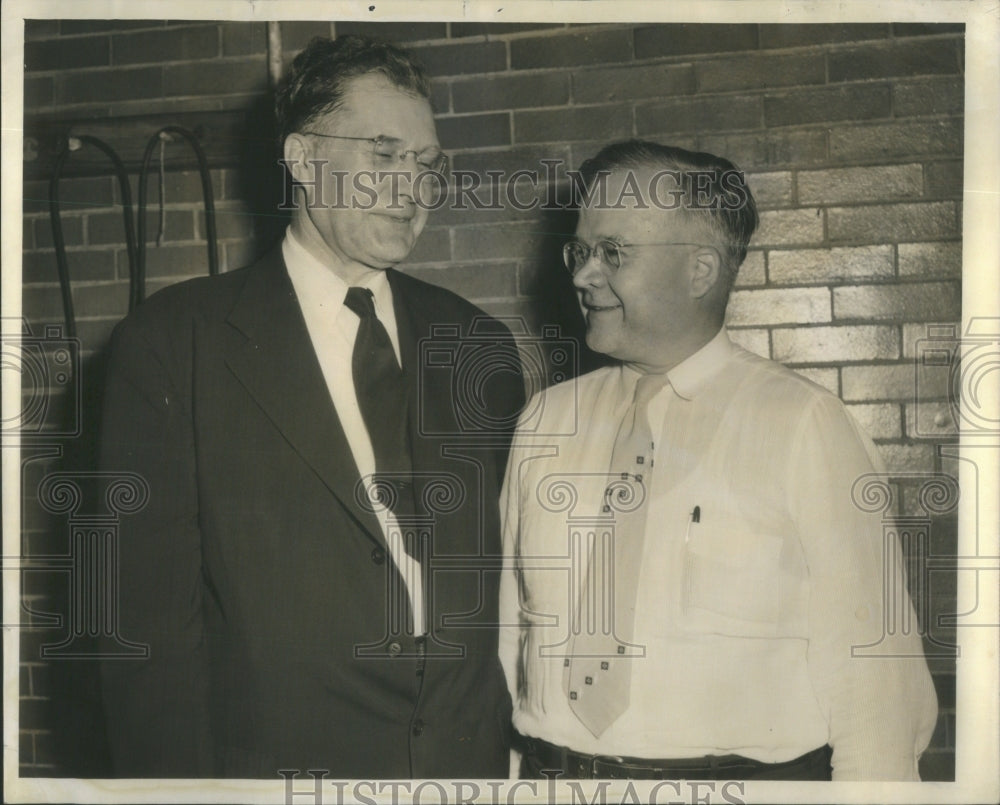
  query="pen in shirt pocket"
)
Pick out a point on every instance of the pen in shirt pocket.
point(695, 518)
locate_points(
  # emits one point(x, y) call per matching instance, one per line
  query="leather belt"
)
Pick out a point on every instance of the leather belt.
point(576, 765)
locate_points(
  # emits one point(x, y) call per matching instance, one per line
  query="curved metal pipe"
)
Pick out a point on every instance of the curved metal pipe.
point(55, 215)
point(139, 289)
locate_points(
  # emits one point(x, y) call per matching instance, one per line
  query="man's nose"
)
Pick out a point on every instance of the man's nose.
point(402, 179)
point(591, 273)
point(409, 165)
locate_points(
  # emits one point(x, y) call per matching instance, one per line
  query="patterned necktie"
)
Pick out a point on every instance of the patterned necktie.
point(384, 402)
point(597, 675)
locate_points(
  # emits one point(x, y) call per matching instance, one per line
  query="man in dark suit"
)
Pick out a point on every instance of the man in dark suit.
point(315, 573)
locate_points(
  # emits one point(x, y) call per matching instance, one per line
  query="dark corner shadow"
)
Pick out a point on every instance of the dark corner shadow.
point(551, 288)
point(261, 179)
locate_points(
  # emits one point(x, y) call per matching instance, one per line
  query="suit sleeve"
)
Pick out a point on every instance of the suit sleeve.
point(156, 708)
point(867, 668)
point(510, 604)
point(504, 398)
point(511, 404)
point(510, 607)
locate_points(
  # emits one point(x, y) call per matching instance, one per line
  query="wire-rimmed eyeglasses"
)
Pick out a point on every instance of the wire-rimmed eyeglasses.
point(576, 253)
point(388, 152)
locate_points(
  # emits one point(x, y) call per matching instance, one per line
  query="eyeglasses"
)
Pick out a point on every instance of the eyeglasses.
point(387, 152)
point(576, 253)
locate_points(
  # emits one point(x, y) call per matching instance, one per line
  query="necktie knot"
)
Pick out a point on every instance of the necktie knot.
point(360, 301)
point(647, 387)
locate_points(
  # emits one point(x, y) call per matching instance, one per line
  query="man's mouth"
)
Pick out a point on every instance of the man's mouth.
point(592, 308)
point(396, 219)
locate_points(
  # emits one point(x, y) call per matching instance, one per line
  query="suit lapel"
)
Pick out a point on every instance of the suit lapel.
point(413, 325)
point(278, 367)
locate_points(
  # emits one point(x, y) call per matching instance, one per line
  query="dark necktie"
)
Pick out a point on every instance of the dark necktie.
point(382, 396)
point(597, 676)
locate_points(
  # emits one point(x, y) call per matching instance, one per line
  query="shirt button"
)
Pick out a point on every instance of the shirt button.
point(418, 728)
point(395, 649)
point(378, 556)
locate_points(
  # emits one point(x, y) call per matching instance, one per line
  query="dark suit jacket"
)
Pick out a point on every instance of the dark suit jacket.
point(259, 581)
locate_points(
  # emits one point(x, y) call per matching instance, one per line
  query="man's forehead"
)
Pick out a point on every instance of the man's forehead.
point(373, 86)
point(638, 187)
point(628, 221)
point(373, 100)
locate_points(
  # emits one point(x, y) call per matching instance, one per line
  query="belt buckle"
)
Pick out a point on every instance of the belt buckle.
point(606, 759)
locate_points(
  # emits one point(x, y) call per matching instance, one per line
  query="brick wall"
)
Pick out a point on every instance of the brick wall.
point(851, 136)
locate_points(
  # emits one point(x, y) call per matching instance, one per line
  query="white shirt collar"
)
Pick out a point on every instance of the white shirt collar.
point(321, 293)
point(691, 375)
point(319, 280)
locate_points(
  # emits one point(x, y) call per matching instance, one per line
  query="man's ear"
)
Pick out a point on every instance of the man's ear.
point(298, 152)
point(707, 271)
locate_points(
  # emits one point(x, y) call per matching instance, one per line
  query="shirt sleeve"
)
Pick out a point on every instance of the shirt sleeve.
point(867, 668)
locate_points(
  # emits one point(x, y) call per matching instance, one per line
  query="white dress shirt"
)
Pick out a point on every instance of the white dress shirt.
point(332, 329)
point(749, 615)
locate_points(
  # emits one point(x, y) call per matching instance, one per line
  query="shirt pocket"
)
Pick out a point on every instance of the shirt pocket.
point(732, 579)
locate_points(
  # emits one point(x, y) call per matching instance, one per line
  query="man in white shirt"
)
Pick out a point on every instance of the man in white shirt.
point(689, 589)
point(308, 483)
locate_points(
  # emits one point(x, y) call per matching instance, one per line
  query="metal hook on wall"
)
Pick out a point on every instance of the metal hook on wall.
point(159, 138)
point(55, 215)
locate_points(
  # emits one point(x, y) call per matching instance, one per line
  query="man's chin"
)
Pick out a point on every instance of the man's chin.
point(389, 259)
point(598, 341)
point(390, 251)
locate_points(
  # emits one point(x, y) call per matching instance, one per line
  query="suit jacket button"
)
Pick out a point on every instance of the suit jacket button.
point(395, 649)
point(418, 728)
point(378, 556)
